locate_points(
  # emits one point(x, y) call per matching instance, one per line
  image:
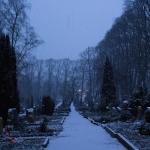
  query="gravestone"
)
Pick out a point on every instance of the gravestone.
point(35, 109)
point(139, 113)
point(1, 125)
point(12, 116)
point(30, 114)
point(125, 104)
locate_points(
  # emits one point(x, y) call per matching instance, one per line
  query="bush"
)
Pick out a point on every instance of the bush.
point(48, 105)
point(145, 129)
point(125, 115)
point(105, 119)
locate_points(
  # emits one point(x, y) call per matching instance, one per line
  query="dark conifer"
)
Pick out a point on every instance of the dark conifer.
point(9, 97)
point(15, 94)
point(108, 91)
point(48, 105)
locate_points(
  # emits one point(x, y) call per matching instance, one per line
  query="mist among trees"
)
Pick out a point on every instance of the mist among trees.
point(126, 46)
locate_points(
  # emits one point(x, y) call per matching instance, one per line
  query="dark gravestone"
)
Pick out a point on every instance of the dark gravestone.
point(30, 114)
point(139, 113)
point(12, 116)
point(1, 125)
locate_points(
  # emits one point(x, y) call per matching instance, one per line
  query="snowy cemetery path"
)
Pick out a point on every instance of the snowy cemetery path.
point(79, 134)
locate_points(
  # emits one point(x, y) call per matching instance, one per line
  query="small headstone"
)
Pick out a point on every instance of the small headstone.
point(139, 113)
point(34, 107)
point(125, 104)
point(1, 125)
point(30, 114)
point(12, 116)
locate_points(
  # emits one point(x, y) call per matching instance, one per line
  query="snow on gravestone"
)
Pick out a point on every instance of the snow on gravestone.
point(1, 125)
point(125, 104)
point(12, 116)
point(30, 114)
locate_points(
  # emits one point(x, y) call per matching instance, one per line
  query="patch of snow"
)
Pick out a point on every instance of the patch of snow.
point(22, 115)
point(125, 102)
point(148, 108)
point(30, 110)
point(11, 109)
point(119, 108)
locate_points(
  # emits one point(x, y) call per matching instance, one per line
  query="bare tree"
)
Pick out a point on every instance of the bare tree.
point(58, 74)
point(50, 66)
point(40, 76)
point(16, 23)
point(66, 70)
point(87, 59)
point(26, 81)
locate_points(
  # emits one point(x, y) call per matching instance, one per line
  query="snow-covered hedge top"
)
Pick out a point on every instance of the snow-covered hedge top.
point(125, 102)
point(30, 110)
point(118, 108)
point(148, 108)
point(11, 109)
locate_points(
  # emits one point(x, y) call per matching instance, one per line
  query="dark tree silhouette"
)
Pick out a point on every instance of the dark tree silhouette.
point(108, 91)
point(48, 105)
point(9, 97)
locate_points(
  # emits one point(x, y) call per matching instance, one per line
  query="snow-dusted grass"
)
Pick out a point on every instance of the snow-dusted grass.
point(30, 138)
point(22, 144)
point(130, 131)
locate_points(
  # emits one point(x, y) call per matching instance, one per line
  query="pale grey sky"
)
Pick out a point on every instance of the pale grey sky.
point(68, 27)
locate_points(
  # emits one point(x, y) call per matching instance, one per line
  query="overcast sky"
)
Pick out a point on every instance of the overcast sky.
point(68, 27)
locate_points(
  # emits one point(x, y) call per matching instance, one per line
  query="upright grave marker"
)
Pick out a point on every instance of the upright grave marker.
point(1, 125)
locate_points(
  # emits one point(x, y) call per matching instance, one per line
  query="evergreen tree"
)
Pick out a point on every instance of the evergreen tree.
point(108, 91)
point(48, 105)
point(9, 97)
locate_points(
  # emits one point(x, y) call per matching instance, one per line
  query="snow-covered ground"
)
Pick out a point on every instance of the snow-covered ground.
point(80, 134)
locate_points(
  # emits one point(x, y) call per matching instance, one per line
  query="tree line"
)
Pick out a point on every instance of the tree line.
point(125, 47)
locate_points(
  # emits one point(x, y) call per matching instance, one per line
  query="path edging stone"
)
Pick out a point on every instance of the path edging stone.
point(125, 142)
point(111, 132)
point(46, 142)
point(62, 120)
